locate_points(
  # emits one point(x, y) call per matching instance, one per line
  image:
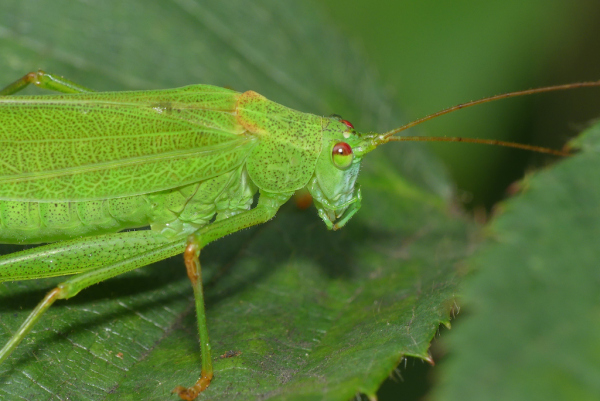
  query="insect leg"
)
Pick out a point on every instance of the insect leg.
point(145, 249)
point(44, 81)
point(268, 205)
point(79, 255)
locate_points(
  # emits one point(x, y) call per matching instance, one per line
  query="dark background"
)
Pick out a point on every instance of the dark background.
point(431, 55)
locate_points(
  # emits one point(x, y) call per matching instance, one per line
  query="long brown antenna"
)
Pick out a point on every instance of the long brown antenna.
point(485, 100)
point(480, 141)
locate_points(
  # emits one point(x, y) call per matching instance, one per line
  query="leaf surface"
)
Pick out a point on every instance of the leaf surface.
point(301, 312)
point(531, 330)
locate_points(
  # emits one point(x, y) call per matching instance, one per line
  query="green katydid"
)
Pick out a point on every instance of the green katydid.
point(80, 167)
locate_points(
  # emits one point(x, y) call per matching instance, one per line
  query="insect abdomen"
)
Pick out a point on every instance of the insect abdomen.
point(36, 222)
point(177, 211)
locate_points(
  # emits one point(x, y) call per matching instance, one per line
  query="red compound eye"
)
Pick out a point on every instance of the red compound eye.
point(348, 123)
point(342, 149)
point(342, 155)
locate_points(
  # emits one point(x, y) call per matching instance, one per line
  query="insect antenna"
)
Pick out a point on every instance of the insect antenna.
point(389, 136)
point(515, 145)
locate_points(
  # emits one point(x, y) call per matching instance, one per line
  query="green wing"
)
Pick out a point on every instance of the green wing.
point(115, 144)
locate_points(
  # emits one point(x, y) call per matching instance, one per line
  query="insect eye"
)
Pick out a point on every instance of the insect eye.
point(342, 155)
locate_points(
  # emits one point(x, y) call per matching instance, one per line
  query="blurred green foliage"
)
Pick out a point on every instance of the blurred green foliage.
point(532, 330)
point(431, 55)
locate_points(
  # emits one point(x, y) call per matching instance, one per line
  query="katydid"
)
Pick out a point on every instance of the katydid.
point(80, 167)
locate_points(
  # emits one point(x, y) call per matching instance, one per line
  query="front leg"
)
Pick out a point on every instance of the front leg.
point(268, 205)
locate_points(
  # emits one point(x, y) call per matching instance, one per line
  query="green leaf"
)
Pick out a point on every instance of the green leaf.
point(307, 313)
point(531, 330)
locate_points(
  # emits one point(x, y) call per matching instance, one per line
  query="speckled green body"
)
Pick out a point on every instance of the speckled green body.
point(82, 164)
point(80, 169)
